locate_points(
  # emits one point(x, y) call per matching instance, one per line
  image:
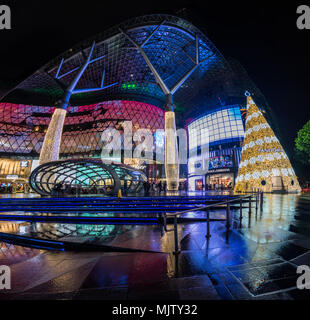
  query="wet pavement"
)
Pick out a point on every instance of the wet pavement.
point(259, 260)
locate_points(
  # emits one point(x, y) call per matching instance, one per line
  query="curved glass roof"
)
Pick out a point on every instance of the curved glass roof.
point(104, 177)
point(169, 43)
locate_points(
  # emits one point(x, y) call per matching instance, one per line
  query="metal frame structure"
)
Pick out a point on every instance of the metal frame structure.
point(171, 146)
point(52, 139)
point(71, 88)
point(168, 60)
point(167, 52)
point(86, 173)
point(167, 92)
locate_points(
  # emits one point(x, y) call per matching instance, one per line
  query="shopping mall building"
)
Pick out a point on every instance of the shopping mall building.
point(139, 71)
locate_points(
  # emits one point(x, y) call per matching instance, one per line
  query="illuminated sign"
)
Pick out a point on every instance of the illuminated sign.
point(221, 162)
point(219, 170)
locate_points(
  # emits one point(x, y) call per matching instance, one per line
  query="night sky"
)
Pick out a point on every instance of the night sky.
point(261, 35)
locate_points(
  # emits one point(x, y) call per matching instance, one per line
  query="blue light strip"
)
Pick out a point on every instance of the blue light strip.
point(21, 218)
point(11, 236)
point(106, 199)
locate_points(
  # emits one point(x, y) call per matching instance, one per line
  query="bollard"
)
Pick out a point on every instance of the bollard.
point(250, 212)
point(256, 204)
point(240, 218)
point(227, 222)
point(250, 205)
point(165, 221)
point(208, 236)
point(228, 216)
point(176, 241)
point(261, 200)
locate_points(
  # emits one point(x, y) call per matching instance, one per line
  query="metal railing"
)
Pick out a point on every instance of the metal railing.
point(258, 198)
point(226, 205)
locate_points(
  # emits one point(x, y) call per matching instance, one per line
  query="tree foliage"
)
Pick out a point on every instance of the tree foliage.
point(302, 144)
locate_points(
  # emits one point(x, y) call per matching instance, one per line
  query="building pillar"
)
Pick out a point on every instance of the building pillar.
point(52, 139)
point(171, 145)
point(171, 150)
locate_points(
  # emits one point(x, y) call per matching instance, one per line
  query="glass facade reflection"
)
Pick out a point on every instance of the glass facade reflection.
point(224, 125)
point(223, 131)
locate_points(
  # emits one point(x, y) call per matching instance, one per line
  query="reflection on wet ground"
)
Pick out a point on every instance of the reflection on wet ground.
point(258, 262)
point(59, 231)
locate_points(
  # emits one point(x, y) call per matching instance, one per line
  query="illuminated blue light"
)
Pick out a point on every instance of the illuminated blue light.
point(224, 124)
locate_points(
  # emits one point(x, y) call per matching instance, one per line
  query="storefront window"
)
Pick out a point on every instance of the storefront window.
point(220, 181)
point(199, 184)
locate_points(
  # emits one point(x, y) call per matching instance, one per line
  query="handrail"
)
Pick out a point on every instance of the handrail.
point(257, 195)
point(208, 206)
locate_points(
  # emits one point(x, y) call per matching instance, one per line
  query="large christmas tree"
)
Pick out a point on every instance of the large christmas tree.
point(264, 164)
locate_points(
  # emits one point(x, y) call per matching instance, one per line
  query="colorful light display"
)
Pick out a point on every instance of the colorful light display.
point(264, 164)
point(22, 126)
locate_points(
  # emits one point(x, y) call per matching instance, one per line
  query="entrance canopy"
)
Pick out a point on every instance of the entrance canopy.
point(90, 175)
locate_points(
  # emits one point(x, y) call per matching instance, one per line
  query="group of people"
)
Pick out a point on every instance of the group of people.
point(6, 189)
point(14, 187)
point(159, 186)
point(154, 186)
point(67, 189)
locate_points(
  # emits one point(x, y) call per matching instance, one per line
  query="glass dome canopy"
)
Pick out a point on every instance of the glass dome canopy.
point(86, 176)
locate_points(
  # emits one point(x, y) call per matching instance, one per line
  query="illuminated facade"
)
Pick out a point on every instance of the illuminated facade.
point(156, 71)
point(155, 59)
point(224, 125)
point(23, 127)
point(214, 144)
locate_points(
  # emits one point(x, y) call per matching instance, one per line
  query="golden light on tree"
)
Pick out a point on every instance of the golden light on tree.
point(264, 164)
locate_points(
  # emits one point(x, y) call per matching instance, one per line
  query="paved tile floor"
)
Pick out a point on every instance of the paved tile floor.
point(258, 262)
